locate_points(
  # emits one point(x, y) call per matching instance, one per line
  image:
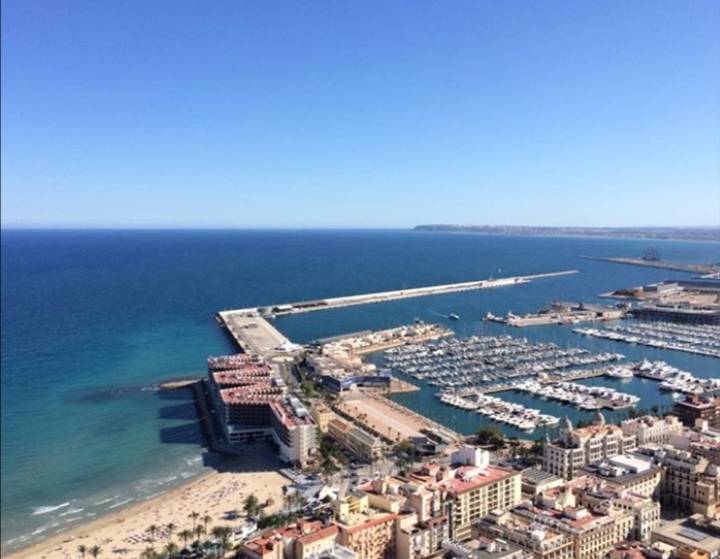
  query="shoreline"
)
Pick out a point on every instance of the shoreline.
point(214, 493)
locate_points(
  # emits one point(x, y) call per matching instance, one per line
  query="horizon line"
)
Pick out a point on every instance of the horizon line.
point(23, 227)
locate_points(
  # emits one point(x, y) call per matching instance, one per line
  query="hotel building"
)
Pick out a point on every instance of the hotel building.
point(254, 405)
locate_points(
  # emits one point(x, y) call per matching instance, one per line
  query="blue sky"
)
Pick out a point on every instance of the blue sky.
point(360, 114)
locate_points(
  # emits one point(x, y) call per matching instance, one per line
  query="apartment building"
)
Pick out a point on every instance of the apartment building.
point(417, 539)
point(691, 483)
point(577, 448)
point(305, 539)
point(539, 540)
point(702, 441)
point(483, 548)
point(633, 473)
point(365, 531)
point(322, 415)
point(696, 536)
point(593, 494)
point(592, 534)
point(362, 444)
point(471, 490)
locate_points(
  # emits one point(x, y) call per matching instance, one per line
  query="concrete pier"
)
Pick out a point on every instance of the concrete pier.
point(709, 269)
point(382, 297)
point(251, 331)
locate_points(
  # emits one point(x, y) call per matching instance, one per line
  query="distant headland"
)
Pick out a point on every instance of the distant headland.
point(709, 233)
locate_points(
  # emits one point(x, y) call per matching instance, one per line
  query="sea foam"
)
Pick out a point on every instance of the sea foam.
point(50, 508)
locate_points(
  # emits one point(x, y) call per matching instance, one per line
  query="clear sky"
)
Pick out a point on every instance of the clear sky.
point(360, 114)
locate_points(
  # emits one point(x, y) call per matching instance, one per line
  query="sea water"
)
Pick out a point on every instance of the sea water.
point(92, 321)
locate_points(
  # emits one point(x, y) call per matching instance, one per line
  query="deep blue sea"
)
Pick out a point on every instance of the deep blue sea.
point(93, 320)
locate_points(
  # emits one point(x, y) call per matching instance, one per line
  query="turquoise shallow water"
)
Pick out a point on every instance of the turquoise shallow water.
point(92, 321)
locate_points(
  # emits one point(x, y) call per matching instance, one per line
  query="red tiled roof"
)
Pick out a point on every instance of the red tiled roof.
point(319, 534)
point(490, 474)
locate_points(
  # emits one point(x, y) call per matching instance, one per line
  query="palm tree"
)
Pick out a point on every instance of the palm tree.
point(148, 553)
point(194, 515)
point(199, 531)
point(95, 551)
point(185, 535)
point(251, 505)
point(207, 519)
point(152, 530)
point(82, 550)
point(222, 534)
point(170, 528)
point(171, 549)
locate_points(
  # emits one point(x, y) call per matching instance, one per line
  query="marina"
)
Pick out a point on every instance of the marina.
point(582, 396)
point(516, 415)
point(702, 339)
point(467, 371)
point(673, 379)
point(483, 361)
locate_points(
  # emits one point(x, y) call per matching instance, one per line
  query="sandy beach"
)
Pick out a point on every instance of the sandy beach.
point(124, 534)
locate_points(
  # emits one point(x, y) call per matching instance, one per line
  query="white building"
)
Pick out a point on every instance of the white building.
point(577, 448)
point(652, 430)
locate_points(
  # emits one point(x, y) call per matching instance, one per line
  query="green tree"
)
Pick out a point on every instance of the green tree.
point(194, 515)
point(490, 436)
point(170, 528)
point(403, 454)
point(207, 519)
point(148, 553)
point(95, 551)
point(82, 550)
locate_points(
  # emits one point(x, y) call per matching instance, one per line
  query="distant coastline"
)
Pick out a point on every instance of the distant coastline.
point(709, 233)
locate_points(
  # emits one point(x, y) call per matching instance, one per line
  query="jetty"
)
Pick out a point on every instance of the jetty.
point(251, 331)
point(703, 269)
point(561, 313)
